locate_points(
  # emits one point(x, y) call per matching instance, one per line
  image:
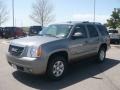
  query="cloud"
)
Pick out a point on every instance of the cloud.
point(83, 17)
point(89, 17)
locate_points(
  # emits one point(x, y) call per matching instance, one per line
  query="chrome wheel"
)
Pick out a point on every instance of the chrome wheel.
point(58, 68)
point(102, 55)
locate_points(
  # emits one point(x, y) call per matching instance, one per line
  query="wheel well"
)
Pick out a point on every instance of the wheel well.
point(62, 53)
point(104, 45)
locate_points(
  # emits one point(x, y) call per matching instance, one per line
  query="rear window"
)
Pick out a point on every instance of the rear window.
point(102, 30)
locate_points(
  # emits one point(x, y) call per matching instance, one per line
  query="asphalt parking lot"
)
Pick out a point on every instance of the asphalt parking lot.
point(86, 75)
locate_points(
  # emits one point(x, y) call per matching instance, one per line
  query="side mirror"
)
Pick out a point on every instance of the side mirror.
point(77, 35)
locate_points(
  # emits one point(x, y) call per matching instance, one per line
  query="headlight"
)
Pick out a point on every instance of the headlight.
point(35, 52)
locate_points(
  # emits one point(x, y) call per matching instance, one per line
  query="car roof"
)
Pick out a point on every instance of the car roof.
point(79, 22)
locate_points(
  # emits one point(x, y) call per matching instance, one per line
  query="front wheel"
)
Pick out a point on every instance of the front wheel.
point(57, 67)
point(101, 55)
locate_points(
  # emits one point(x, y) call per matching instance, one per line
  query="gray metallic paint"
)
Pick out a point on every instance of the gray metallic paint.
point(50, 45)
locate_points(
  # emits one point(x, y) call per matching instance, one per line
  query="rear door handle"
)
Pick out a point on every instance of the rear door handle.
point(86, 42)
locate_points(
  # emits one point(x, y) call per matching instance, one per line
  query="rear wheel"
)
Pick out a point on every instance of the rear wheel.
point(101, 55)
point(119, 41)
point(57, 68)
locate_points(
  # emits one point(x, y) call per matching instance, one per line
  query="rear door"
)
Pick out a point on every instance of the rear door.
point(93, 41)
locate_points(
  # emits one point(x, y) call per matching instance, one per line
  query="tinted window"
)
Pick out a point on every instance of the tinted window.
point(102, 30)
point(34, 30)
point(80, 29)
point(92, 31)
point(58, 30)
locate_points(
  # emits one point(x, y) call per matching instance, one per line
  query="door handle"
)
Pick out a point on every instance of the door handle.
point(97, 39)
point(86, 42)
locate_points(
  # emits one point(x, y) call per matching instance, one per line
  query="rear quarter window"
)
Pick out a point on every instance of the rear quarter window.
point(102, 30)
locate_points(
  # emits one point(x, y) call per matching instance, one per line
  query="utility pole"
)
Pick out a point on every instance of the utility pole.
point(13, 13)
point(94, 19)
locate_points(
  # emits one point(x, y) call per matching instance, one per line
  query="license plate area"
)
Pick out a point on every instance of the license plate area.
point(20, 68)
point(17, 67)
point(14, 66)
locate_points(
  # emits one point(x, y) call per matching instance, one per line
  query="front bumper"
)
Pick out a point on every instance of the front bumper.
point(28, 65)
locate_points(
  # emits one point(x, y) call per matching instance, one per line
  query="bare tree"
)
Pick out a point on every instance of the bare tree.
point(42, 12)
point(3, 13)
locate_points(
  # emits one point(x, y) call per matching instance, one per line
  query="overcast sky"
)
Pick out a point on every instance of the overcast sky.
point(64, 10)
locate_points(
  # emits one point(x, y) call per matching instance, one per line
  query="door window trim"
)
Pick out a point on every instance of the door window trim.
point(86, 31)
point(89, 32)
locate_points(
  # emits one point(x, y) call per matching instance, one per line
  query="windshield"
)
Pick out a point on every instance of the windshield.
point(60, 30)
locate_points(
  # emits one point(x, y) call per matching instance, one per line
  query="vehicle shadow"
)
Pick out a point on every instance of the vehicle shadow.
point(76, 73)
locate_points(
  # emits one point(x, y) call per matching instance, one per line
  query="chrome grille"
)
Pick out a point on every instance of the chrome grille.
point(16, 50)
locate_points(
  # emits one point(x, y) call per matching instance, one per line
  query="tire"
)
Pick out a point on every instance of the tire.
point(101, 55)
point(57, 67)
point(118, 41)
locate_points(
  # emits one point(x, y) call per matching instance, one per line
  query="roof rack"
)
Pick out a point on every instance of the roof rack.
point(83, 22)
point(73, 21)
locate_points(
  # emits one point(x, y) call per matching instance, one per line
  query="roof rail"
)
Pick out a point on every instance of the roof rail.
point(96, 22)
point(73, 21)
point(83, 22)
point(91, 22)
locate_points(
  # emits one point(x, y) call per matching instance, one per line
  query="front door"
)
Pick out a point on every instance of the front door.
point(78, 43)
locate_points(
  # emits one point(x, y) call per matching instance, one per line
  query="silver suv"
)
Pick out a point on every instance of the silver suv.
point(56, 46)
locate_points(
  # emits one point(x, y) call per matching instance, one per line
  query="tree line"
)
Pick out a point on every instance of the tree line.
point(42, 13)
point(114, 21)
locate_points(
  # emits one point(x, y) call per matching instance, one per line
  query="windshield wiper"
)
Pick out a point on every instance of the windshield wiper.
point(51, 35)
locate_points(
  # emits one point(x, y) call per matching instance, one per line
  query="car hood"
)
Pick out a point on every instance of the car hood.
point(33, 40)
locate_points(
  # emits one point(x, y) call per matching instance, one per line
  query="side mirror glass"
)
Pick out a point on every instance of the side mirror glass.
point(77, 35)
